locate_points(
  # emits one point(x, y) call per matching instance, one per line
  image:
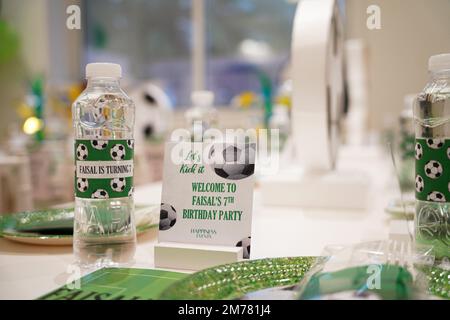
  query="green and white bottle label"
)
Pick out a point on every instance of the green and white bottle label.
point(432, 169)
point(103, 168)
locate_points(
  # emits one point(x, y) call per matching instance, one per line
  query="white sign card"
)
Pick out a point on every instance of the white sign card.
point(207, 195)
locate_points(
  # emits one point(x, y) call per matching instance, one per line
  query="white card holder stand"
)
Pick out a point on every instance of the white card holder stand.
point(347, 187)
point(326, 190)
point(186, 256)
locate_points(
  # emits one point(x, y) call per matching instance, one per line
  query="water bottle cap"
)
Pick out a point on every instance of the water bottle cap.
point(107, 70)
point(439, 62)
point(202, 98)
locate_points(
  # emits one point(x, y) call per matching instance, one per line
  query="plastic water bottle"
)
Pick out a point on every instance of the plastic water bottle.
point(202, 115)
point(406, 145)
point(432, 153)
point(103, 118)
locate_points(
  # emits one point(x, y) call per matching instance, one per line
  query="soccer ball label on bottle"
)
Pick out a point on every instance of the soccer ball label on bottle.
point(104, 168)
point(432, 169)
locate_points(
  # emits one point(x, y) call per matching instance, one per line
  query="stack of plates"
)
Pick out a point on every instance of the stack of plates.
point(55, 226)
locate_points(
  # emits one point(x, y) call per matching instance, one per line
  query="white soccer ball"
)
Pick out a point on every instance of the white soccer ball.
point(418, 151)
point(118, 184)
point(82, 152)
point(246, 245)
point(435, 143)
point(118, 152)
point(100, 194)
point(82, 184)
point(153, 112)
point(233, 162)
point(167, 217)
point(448, 152)
point(433, 169)
point(436, 196)
point(419, 184)
point(130, 144)
point(99, 144)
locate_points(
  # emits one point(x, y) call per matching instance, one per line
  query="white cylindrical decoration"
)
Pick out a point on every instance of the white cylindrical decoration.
point(317, 79)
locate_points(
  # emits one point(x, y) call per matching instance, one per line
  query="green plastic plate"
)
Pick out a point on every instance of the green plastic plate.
point(55, 226)
point(232, 281)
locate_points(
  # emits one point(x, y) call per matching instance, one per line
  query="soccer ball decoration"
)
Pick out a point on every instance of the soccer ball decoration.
point(167, 217)
point(245, 244)
point(433, 169)
point(100, 194)
point(418, 151)
point(419, 184)
point(118, 184)
point(118, 152)
point(233, 162)
point(436, 196)
point(82, 152)
point(153, 112)
point(130, 144)
point(448, 152)
point(82, 184)
point(99, 144)
point(435, 143)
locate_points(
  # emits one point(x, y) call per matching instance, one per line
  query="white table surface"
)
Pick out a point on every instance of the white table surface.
point(28, 271)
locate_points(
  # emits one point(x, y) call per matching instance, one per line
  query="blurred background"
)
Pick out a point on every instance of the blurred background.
point(238, 49)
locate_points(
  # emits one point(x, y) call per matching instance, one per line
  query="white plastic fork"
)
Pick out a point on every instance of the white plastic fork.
point(398, 253)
